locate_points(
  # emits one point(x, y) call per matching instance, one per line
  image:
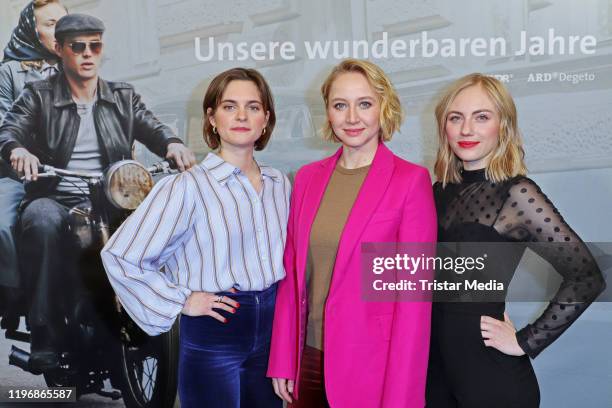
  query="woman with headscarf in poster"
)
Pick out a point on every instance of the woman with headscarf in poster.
point(477, 357)
point(29, 56)
point(330, 347)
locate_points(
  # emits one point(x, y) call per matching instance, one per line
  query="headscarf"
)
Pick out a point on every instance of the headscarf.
point(24, 44)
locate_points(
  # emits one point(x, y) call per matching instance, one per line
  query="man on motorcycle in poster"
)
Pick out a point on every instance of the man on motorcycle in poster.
point(78, 121)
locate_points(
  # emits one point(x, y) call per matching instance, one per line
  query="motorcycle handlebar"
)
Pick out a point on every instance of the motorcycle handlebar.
point(44, 170)
point(162, 167)
point(50, 171)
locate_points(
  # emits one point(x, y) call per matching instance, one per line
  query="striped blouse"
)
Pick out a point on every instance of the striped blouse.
point(206, 229)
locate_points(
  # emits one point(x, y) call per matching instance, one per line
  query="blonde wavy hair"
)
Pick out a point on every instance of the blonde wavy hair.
point(391, 113)
point(507, 160)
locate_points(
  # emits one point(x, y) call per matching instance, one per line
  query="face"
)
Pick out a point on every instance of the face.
point(81, 63)
point(472, 127)
point(46, 17)
point(240, 117)
point(354, 111)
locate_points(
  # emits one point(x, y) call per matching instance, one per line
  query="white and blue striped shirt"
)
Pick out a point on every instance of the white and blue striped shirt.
point(206, 229)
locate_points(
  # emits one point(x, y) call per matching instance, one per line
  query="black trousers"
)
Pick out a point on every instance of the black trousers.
point(48, 263)
point(464, 373)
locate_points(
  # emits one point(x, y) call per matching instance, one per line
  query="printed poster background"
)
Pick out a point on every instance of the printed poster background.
point(566, 126)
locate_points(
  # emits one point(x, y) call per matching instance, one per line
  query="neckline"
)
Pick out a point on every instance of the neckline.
point(473, 176)
point(351, 172)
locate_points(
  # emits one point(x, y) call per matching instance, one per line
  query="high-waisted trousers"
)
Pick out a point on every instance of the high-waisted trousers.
point(464, 373)
point(223, 365)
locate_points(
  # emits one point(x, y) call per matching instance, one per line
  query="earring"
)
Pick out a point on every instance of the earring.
point(264, 132)
point(214, 130)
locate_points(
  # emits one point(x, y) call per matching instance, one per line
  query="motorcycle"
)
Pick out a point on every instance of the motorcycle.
point(104, 351)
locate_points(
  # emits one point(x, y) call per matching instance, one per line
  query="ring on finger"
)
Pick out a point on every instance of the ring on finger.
point(219, 299)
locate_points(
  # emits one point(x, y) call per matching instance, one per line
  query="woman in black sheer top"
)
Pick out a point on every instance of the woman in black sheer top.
point(477, 357)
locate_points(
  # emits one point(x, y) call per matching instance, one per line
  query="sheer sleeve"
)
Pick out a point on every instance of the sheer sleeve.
point(528, 215)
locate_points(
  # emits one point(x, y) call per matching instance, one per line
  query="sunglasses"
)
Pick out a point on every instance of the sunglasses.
point(79, 46)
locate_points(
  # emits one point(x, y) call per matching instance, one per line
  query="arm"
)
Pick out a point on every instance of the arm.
point(135, 254)
point(6, 101)
point(158, 137)
point(6, 90)
point(406, 370)
point(535, 219)
point(155, 135)
point(283, 357)
point(283, 378)
point(16, 130)
point(17, 127)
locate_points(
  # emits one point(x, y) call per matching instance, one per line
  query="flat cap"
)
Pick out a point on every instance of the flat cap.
point(78, 24)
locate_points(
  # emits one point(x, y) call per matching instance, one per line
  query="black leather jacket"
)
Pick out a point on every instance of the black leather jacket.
point(45, 121)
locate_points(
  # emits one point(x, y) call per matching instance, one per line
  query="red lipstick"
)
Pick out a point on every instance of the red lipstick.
point(467, 145)
point(240, 129)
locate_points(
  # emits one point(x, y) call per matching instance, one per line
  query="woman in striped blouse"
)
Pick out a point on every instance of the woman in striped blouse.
point(208, 243)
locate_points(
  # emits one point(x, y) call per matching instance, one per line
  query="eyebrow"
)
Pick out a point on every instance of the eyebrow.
point(236, 102)
point(361, 98)
point(473, 113)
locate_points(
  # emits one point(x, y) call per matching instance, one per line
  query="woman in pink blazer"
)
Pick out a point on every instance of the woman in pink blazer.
point(329, 346)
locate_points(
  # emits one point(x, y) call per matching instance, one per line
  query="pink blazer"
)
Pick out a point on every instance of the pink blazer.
point(375, 352)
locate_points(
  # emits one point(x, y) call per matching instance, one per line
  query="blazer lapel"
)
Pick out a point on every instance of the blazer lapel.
point(312, 200)
point(370, 194)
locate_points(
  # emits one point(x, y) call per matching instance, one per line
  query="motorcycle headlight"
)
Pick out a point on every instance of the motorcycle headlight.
point(127, 183)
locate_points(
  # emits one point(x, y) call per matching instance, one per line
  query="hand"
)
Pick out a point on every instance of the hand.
point(500, 335)
point(283, 388)
point(23, 161)
point(182, 156)
point(203, 303)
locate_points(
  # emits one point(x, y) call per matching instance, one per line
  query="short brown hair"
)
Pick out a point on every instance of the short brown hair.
point(508, 158)
point(214, 93)
point(391, 113)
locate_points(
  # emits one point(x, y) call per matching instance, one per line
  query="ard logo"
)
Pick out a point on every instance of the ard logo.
point(540, 77)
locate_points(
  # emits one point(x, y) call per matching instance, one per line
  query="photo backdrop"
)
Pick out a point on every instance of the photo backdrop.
point(555, 56)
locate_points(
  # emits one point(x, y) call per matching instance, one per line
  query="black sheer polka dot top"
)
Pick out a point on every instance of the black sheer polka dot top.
point(516, 210)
